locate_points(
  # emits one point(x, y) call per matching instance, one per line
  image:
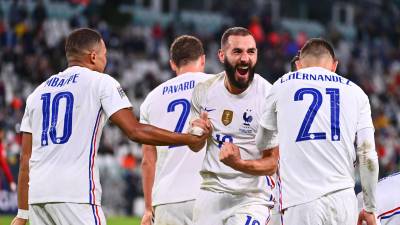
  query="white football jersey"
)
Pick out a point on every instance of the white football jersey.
point(387, 200)
point(177, 169)
point(234, 119)
point(317, 114)
point(65, 116)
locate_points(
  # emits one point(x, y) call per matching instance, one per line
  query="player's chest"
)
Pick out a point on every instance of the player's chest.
point(234, 117)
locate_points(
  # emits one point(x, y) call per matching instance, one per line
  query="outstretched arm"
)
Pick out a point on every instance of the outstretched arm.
point(148, 134)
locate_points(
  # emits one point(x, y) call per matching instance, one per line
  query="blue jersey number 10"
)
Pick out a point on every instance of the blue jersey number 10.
point(304, 133)
point(54, 106)
point(184, 115)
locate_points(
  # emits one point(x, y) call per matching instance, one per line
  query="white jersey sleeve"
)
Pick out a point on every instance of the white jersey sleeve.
point(268, 119)
point(26, 124)
point(112, 96)
point(365, 119)
point(144, 111)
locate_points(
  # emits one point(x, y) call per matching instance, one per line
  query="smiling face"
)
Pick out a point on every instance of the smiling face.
point(239, 57)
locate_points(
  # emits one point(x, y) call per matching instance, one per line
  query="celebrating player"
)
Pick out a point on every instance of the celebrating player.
point(319, 115)
point(61, 128)
point(168, 106)
point(235, 190)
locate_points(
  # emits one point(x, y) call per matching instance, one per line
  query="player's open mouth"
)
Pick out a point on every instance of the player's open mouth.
point(242, 70)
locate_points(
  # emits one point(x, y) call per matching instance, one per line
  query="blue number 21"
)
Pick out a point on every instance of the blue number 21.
point(304, 133)
point(184, 115)
point(54, 107)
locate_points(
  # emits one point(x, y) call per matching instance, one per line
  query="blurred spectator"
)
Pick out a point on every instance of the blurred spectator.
point(4, 164)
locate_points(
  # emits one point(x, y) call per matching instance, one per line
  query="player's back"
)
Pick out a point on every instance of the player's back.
point(177, 168)
point(319, 113)
point(66, 115)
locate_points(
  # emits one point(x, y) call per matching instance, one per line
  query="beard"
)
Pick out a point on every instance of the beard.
point(230, 71)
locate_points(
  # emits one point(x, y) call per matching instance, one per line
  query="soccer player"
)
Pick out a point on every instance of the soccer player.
point(319, 115)
point(235, 189)
point(61, 128)
point(175, 168)
point(387, 200)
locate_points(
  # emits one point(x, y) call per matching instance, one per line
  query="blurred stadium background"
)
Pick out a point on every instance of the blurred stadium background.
point(365, 33)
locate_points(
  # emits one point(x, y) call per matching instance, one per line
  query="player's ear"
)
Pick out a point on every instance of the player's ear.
point(334, 65)
point(173, 66)
point(221, 55)
point(203, 60)
point(93, 57)
point(298, 64)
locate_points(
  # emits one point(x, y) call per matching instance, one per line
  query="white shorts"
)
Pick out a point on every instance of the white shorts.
point(66, 214)
point(213, 208)
point(337, 208)
point(180, 213)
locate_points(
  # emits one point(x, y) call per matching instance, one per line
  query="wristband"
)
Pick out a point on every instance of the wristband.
point(23, 214)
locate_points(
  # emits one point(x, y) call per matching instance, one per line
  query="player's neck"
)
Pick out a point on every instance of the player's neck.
point(231, 88)
point(187, 69)
point(79, 63)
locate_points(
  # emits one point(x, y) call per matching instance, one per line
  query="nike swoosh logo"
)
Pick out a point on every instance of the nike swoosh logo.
point(209, 110)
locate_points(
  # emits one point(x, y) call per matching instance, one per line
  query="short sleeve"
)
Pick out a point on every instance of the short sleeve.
point(364, 119)
point(144, 113)
point(26, 125)
point(196, 101)
point(269, 118)
point(112, 96)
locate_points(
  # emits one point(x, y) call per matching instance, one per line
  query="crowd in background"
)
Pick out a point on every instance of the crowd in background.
point(32, 49)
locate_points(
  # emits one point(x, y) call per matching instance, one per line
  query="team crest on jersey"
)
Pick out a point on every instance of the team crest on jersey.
point(247, 118)
point(121, 92)
point(227, 116)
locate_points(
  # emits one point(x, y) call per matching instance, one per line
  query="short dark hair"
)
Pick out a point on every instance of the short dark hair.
point(293, 66)
point(317, 47)
point(234, 31)
point(81, 40)
point(186, 49)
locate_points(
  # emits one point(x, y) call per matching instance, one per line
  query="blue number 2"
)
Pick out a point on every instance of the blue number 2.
point(51, 123)
point(304, 133)
point(184, 115)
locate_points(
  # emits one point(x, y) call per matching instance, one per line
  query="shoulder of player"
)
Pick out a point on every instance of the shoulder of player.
point(209, 82)
point(262, 84)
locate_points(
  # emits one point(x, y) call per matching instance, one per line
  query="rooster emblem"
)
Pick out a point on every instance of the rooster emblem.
point(247, 118)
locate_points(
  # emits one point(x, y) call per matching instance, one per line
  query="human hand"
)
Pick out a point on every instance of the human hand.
point(200, 130)
point(366, 218)
point(18, 221)
point(200, 126)
point(230, 154)
point(13, 186)
point(147, 218)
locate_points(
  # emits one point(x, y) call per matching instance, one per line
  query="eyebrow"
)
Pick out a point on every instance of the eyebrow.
point(240, 49)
